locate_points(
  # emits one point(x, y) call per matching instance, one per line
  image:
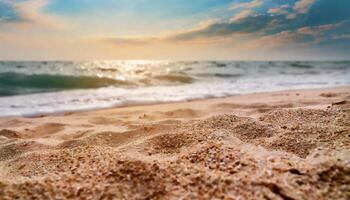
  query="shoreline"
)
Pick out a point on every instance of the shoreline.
point(291, 144)
point(60, 113)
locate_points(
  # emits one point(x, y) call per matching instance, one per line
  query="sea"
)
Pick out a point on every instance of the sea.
point(45, 87)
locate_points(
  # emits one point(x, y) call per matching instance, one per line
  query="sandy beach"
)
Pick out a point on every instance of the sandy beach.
point(274, 145)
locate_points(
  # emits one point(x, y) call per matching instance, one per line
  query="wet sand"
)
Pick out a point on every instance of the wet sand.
point(277, 145)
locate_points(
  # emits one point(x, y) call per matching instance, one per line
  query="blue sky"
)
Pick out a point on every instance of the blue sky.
point(175, 29)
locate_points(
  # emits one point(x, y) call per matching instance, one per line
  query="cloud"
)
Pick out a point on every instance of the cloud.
point(131, 41)
point(281, 10)
point(3, 19)
point(29, 13)
point(278, 40)
point(245, 5)
point(301, 37)
point(340, 37)
point(208, 32)
point(326, 12)
point(299, 7)
point(318, 30)
point(6, 13)
point(241, 15)
point(285, 25)
point(303, 6)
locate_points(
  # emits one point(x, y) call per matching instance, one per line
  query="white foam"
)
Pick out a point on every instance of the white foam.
point(78, 100)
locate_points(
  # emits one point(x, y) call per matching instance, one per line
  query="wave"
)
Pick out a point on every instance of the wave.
point(12, 83)
point(301, 65)
point(17, 78)
point(175, 78)
point(107, 69)
point(219, 64)
point(219, 75)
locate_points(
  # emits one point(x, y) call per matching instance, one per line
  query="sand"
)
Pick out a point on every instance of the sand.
point(275, 145)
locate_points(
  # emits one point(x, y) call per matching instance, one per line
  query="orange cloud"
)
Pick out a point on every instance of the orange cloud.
point(241, 15)
point(318, 30)
point(279, 10)
point(31, 15)
point(252, 4)
point(303, 6)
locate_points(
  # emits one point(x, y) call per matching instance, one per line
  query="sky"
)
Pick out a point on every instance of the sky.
point(175, 29)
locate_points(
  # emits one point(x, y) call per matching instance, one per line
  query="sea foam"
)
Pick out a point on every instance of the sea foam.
point(34, 88)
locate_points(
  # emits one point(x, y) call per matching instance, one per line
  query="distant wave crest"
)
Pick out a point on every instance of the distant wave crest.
point(175, 78)
point(12, 83)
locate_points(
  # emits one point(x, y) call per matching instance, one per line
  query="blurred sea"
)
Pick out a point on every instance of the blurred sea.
point(32, 88)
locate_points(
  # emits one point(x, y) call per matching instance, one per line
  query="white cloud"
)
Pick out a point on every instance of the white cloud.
point(318, 30)
point(206, 23)
point(31, 14)
point(251, 4)
point(294, 38)
point(241, 15)
point(300, 7)
point(2, 18)
point(303, 6)
point(291, 16)
point(344, 36)
point(282, 10)
point(277, 40)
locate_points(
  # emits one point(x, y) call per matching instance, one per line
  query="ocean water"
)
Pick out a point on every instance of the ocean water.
point(34, 88)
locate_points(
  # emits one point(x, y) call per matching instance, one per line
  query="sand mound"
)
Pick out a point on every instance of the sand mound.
point(273, 132)
point(9, 133)
point(251, 130)
point(111, 138)
point(297, 116)
point(294, 117)
point(226, 121)
point(218, 127)
point(297, 145)
point(213, 171)
point(169, 143)
point(214, 156)
point(61, 161)
point(9, 151)
point(45, 129)
point(115, 139)
point(332, 177)
point(306, 129)
point(72, 144)
point(75, 174)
